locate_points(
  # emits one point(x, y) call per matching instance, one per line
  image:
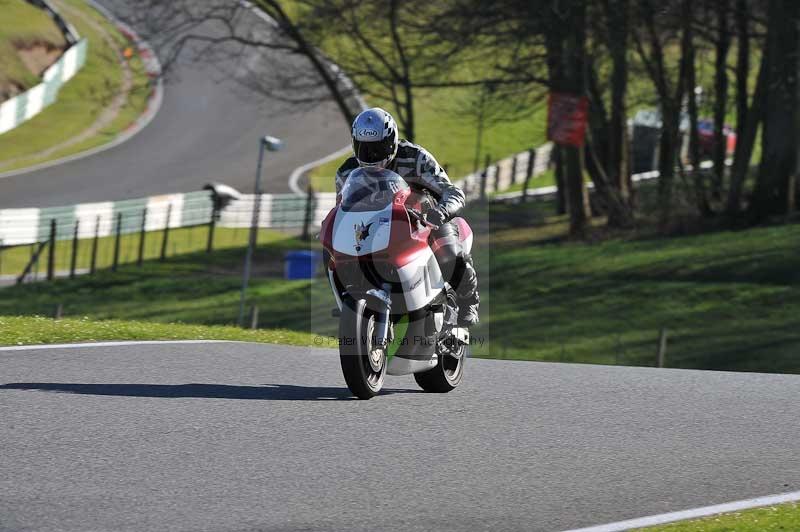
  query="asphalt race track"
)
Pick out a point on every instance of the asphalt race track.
point(239, 437)
point(207, 130)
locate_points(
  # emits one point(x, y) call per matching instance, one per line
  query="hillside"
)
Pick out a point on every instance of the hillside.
point(728, 299)
point(29, 42)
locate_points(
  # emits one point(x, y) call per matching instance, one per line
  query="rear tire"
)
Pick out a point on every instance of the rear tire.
point(447, 374)
point(363, 366)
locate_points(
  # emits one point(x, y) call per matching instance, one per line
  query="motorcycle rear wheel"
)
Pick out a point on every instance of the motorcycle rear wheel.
point(363, 364)
point(446, 375)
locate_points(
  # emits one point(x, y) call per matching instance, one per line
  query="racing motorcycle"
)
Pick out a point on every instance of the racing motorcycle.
point(397, 311)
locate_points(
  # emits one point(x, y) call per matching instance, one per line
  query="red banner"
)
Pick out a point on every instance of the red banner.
point(567, 115)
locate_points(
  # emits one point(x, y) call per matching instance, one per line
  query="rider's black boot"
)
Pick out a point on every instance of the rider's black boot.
point(466, 285)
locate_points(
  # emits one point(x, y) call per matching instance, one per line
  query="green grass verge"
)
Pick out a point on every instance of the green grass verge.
point(22, 26)
point(728, 299)
point(31, 330)
point(81, 100)
point(780, 518)
point(196, 288)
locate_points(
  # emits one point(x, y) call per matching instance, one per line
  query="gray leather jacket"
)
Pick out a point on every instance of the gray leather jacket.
point(420, 170)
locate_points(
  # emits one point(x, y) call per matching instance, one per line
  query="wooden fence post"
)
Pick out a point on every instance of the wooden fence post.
point(528, 174)
point(484, 177)
point(662, 348)
point(166, 234)
point(95, 243)
point(142, 234)
point(254, 317)
point(74, 259)
point(531, 163)
point(51, 256)
point(309, 214)
point(513, 170)
point(117, 243)
point(212, 224)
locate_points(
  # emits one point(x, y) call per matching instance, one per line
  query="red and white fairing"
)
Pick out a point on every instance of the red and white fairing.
point(371, 224)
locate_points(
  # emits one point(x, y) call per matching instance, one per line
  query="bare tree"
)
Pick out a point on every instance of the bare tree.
point(222, 32)
point(722, 42)
point(566, 59)
point(748, 116)
point(774, 193)
point(650, 44)
point(385, 50)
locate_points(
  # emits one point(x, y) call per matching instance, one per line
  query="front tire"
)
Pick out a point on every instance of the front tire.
point(447, 374)
point(363, 365)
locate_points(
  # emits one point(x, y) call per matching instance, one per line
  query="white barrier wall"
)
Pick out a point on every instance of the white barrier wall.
point(25, 106)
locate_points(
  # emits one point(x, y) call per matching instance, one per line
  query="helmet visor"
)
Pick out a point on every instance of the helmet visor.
point(374, 151)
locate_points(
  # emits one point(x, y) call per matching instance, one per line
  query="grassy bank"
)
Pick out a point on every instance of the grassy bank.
point(31, 330)
point(728, 299)
point(24, 27)
point(784, 517)
point(82, 100)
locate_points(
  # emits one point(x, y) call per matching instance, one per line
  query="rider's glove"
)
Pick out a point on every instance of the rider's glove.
point(436, 217)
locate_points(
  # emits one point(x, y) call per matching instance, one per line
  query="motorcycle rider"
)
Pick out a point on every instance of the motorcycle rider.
point(376, 144)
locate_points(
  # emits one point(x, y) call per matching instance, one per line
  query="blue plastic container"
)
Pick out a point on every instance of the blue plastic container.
point(301, 264)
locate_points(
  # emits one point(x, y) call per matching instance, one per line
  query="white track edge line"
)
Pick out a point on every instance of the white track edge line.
point(152, 109)
point(294, 179)
point(40, 347)
point(694, 513)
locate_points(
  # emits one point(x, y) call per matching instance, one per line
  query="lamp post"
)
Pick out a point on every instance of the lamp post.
point(265, 143)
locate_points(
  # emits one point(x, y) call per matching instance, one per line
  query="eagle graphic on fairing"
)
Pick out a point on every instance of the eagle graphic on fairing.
point(362, 232)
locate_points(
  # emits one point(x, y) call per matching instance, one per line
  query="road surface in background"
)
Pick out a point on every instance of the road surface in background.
point(235, 436)
point(207, 130)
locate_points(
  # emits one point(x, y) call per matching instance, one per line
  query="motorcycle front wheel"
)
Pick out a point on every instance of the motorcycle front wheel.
point(363, 363)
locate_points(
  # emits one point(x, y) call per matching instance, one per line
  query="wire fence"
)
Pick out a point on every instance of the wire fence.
point(66, 241)
point(86, 237)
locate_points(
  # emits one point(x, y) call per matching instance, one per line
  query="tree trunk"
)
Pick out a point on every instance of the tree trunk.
point(565, 65)
point(698, 180)
point(669, 142)
point(667, 160)
point(720, 96)
point(774, 193)
point(274, 9)
point(410, 126)
point(575, 61)
point(577, 196)
point(618, 152)
point(558, 163)
point(742, 64)
point(745, 140)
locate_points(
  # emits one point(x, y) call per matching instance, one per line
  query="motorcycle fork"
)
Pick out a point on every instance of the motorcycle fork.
point(382, 306)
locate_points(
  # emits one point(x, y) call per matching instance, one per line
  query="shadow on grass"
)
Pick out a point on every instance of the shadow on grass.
point(266, 392)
